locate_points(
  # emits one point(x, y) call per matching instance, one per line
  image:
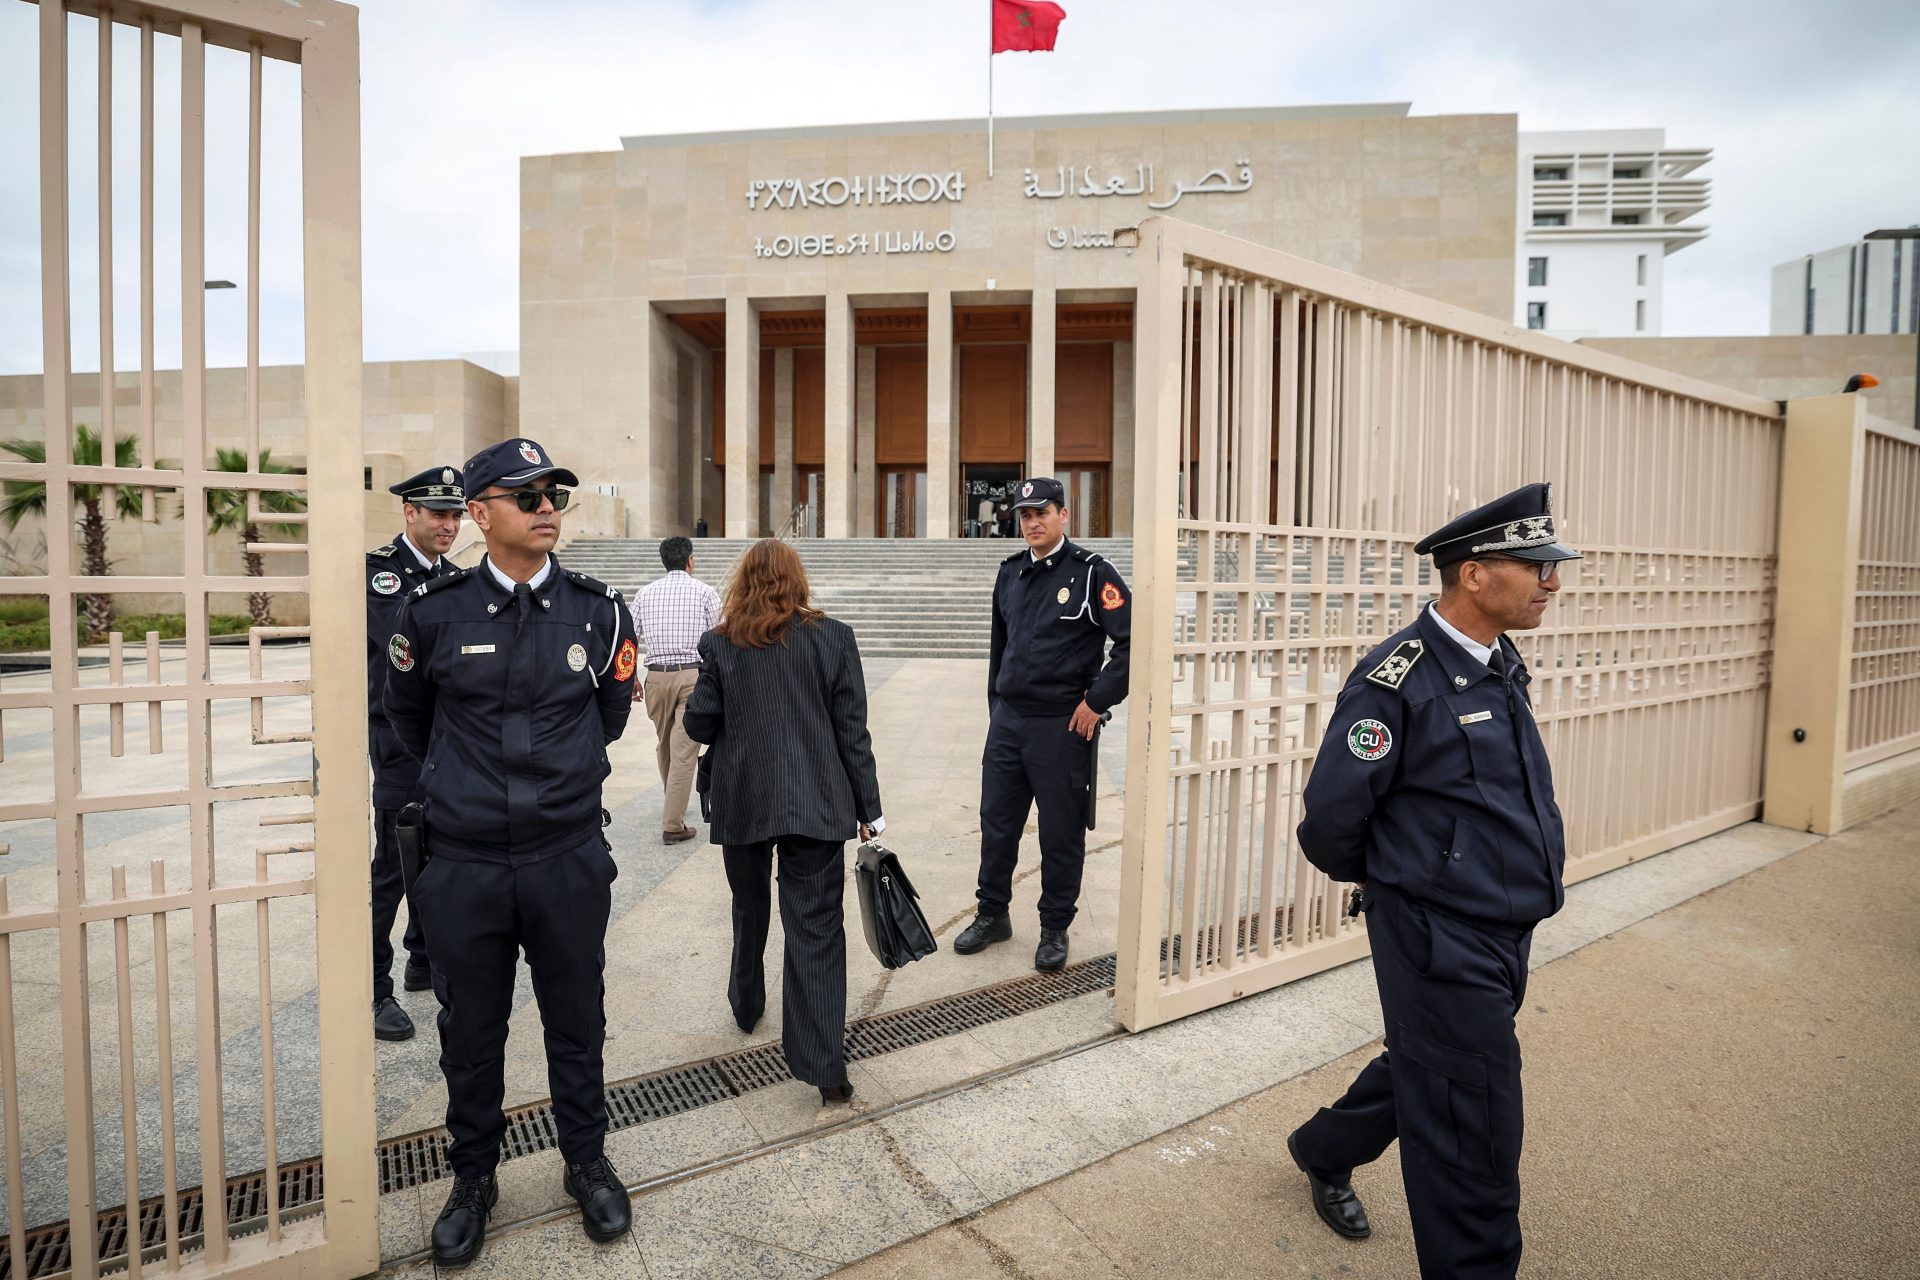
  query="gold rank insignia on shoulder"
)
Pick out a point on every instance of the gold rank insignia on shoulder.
point(1393, 672)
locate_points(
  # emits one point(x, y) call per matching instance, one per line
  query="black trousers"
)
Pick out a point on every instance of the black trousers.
point(1029, 761)
point(813, 983)
point(1448, 1085)
point(388, 890)
point(480, 916)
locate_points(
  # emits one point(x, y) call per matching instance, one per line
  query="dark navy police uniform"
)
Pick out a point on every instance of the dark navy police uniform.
point(1433, 788)
point(1052, 620)
point(392, 571)
point(510, 697)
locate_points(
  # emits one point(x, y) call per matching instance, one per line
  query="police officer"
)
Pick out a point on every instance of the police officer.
point(1055, 607)
point(432, 503)
point(1432, 790)
point(509, 680)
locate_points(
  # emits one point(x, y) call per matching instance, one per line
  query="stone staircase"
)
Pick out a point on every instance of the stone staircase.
point(904, 598)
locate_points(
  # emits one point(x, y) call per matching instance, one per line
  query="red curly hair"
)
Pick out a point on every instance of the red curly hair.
point(766, 594)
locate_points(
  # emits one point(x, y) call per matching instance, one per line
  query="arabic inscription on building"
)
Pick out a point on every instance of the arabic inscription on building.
point(1142, 182)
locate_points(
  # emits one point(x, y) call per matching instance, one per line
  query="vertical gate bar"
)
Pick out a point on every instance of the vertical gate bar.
point(154, 738)
point(148, 512)
point(109, 456)
point(163, 1054)
point(57, 414)
point(254, 61)
point(116, 711)
point(269, 1113)
point(193, 360)
point(129, 1098)
point(10, 1100)
point(330, 167)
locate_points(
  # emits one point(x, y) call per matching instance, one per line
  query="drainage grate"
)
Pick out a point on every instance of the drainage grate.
point(418, 1158)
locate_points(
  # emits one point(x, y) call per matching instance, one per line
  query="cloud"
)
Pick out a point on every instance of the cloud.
point(1808, 108)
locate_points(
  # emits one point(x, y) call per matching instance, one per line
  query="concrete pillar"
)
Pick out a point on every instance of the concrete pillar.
point(866, 469)
point(743, 417)
point(1122, 495)
point(1042, 349)
point(943, 423)
point(837, 486)
point(639, 432)
point(782, 506)
point(1820, 516)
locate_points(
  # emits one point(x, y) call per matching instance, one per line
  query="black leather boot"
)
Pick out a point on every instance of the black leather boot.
point(417, 977)
point(1051, 955)
point(390, 1021)
point(1335, 1202)
point(983, 933)
point(461, 1227)
point(605, 1212)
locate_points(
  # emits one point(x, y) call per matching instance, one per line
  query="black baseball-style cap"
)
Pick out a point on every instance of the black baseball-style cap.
point(1038, 492)
point(512, 463)
point(1518, 524)
point(436, 489)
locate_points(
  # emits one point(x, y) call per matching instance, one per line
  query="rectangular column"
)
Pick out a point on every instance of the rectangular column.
point(837, 489)
point(943, 423)
point(1122, 487)
point(1041, 352)
point(1820, 484)
point(866, 469)
point(743, 417)
point(637, 426)
point(782, 506)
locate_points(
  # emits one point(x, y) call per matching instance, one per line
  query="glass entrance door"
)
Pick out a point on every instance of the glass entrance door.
point(903, 504)
point(809, 496)
point(1087, 502)
point(986, 500)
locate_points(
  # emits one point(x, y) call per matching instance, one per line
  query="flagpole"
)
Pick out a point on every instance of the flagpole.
point(989, 90)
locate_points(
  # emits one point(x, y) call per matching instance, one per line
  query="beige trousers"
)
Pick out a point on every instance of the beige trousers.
point(666, 696)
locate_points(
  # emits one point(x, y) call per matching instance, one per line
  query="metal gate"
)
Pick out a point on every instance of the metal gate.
point(1299, 429)
point(138, 879)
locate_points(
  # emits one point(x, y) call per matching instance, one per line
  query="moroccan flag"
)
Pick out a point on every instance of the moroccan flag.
point(1025, 26)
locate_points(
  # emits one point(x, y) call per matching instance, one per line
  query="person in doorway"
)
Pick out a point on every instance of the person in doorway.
point(1055, 608)
point(508, 681)
point(431, 503)
point(1433, 792)
point(783, 702)
point(671, 613)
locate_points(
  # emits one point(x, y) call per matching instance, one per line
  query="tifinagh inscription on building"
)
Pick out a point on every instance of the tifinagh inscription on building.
point(859, 242)
point(885, 188)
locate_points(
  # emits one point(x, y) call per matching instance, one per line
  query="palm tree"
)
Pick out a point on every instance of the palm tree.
point(23, 498)
point(227, 511)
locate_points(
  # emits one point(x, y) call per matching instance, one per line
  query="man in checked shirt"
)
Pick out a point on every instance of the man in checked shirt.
point(671, 613)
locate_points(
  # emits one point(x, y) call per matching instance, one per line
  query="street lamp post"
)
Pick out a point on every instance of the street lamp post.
point(1905, 233)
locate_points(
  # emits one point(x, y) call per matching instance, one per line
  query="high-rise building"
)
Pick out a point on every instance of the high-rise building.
point(1869, 286)
point(1600, 210)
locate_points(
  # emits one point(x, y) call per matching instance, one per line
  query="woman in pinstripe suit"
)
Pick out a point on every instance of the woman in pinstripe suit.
point(783, 702)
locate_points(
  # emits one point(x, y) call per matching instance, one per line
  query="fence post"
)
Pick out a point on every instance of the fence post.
point(1813, 613)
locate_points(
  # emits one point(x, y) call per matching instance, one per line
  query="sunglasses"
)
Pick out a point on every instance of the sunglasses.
point(1545, 568)
point(529, 500)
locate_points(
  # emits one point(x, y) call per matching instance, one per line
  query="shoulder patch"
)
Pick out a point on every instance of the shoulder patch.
point(385, 551)
point(1393, 672)
point(435, 584)
point(594, 585)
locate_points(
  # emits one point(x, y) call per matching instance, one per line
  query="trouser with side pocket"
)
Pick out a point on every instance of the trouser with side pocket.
point(1447, 1085)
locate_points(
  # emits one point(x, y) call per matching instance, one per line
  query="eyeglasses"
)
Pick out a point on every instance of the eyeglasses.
point(1545, 568)
point(529, 500)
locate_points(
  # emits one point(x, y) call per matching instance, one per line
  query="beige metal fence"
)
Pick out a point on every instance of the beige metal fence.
point(158, 885)
point(1883, 717)
point(1300, 428)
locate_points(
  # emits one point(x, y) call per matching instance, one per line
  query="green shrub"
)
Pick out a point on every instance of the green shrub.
point(26, 631)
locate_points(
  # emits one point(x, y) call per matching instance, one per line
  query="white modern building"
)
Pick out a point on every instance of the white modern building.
point(1600, 210)
point(1869, 286)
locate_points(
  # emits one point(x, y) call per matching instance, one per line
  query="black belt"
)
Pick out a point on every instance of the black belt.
point(674, 666)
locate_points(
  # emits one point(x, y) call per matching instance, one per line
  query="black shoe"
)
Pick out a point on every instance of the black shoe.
point(390, 1021)
point(1335, 1202)
point(1051, 955)
point(830, 1094)
point(418, 977)
point(605, 1212)
point(983, 933)
point(461, 1227)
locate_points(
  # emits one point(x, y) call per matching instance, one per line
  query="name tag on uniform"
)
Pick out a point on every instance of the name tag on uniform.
point(1475, 717)
point(476, 648)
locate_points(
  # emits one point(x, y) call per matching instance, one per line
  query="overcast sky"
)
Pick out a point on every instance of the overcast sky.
point(1815, 140)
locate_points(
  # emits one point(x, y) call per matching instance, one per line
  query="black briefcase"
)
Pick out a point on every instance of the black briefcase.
point(703, 784)
point(897, 930)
